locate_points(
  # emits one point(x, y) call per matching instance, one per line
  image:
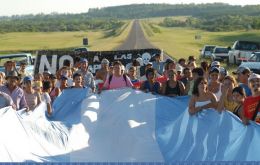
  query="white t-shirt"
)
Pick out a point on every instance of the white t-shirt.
point(46, 97)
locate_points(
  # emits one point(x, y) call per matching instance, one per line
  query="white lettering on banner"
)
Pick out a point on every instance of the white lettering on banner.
point(96, 59)
point(63, 58)
point(45, 63)
point(123, 56)
point(94, 68)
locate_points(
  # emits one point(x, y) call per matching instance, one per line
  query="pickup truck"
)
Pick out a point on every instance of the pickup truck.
point(18, 58)
point(253, 63)
point(241, 51)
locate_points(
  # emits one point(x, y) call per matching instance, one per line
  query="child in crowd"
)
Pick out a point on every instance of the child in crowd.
point(46, 88)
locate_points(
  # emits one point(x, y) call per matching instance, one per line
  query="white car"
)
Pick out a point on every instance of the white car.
point(220, 53)
point(253, 63)
point(206, 51)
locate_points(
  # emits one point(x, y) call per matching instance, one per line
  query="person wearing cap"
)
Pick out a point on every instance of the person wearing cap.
point(32, 97)
point(214, 84)
point(88, 78)
point(222, 74)
point(103, 72)
point(46, 75)
point(22, 70)
point(243, 74)
point(14, 91)
point(65, 71)
point(158, 64)
point(179, 71)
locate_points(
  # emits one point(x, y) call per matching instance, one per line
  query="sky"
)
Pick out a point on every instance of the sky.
point(19, 7)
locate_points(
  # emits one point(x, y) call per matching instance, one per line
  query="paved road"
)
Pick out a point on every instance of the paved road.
point(135, 39)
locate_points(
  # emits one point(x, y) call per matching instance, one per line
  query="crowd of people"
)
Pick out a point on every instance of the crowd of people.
point(209, 84)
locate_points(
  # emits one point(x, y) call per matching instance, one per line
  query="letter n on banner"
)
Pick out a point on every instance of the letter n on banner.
point(44, 63)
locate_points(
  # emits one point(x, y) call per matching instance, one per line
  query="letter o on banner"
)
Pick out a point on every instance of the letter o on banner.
point(63, 58)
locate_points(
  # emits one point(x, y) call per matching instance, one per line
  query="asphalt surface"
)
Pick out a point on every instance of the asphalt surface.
point(137, 40)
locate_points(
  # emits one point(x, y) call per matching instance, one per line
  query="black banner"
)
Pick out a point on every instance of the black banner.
point(53, 60)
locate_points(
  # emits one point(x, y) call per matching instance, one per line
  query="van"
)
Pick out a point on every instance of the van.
point(241, 51)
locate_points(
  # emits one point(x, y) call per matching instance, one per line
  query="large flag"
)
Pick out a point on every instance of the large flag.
point(124, 125)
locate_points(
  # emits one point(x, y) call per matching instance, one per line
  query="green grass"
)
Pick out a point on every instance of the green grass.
point(181, 42)
point(61, 40)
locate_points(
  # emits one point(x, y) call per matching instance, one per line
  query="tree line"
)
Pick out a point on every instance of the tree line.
point(218, 23)
point(56, 22)
point(211, 17)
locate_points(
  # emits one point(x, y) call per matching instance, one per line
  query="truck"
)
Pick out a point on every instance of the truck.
point(18, 59)
point(241, 51)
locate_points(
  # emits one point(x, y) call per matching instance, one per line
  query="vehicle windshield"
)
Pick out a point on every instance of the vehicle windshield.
point(209, 48)
point(221, 50)
point(17, 59)
point(251, 46)
point(255, 58)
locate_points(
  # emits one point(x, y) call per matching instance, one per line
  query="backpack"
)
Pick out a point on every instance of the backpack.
point(110, 78)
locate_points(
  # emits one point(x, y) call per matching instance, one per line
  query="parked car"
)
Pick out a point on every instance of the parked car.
point(80, 50)
point(18, 59)
point(220, 53)
point(253, 62)
point(241, 51)
point(206, 51)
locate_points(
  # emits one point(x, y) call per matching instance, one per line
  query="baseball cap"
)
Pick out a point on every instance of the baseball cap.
point(215, 63)
point(83, 60)
point(64, 77)
point(242, 69)
point(179, 68)
point(150, 63)
point(253, 76)
point(214, 69)
point(27, 78)
point(37, 84)
point(223, 71)
point(47, 72)
point(105, 61)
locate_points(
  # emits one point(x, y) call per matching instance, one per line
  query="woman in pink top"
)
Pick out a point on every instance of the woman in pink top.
point(117, 79)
